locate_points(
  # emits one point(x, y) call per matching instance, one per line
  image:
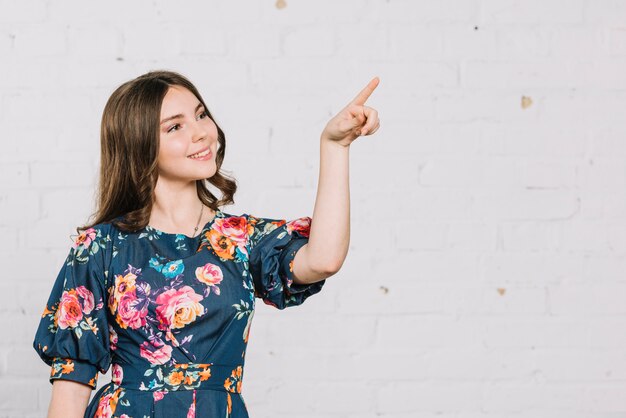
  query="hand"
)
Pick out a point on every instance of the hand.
point(354, 120)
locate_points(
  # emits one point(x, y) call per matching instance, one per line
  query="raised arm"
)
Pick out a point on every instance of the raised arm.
point(329, 239)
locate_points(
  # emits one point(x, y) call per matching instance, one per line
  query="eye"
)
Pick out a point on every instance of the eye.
point(172, 128)
point(203, 113)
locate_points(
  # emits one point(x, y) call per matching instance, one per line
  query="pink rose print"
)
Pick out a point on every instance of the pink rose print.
point(69, 312)
point(112, 338)
point(301, 225)
point(211, 275)
point(85, 238)
point(107, 405)
point(127, 315)
point(117, 374)
point(87, 298)
point(155, 352)
point(178, 307)
point(192, 408)
point(157, 395)
point(233, 227)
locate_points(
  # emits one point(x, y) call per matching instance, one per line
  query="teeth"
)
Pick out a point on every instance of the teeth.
point(200, 154)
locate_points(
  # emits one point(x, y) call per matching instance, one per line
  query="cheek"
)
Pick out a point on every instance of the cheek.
point(211, 128)
point(172, 148)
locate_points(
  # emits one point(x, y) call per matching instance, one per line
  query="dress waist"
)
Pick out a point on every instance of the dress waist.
point(182, 376)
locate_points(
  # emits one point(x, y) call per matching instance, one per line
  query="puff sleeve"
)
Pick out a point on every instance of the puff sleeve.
point(73, 333)
point(273, 244)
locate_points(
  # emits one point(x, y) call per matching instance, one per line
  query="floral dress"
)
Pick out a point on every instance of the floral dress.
point(170, 314)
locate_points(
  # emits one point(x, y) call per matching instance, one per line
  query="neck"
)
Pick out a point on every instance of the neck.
point(177, 207)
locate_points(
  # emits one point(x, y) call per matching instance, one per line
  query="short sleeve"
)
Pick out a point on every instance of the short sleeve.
point(73, 333)
point(273, 244)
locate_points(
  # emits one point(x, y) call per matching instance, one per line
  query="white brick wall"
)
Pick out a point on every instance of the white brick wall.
point(487, 271)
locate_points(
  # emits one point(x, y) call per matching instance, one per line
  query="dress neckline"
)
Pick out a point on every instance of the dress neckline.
point(172, 234)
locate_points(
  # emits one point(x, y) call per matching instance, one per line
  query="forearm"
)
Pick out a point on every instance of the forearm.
point(69, 399)
point(330, 230)
point(329, 236)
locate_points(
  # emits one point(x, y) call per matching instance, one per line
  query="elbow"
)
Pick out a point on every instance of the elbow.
point(328, 269)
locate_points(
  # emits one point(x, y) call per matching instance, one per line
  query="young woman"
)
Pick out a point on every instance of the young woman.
point(161, 286)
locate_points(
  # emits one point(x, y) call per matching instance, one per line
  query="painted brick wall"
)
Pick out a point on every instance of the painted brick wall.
point(487, 269)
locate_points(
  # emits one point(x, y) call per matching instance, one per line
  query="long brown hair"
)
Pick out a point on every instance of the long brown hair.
point(129, 146)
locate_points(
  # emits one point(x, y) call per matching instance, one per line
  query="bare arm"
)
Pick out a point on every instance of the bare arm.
point(69, 399)
point(329, 237)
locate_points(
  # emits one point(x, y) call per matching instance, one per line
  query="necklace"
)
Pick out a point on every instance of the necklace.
point(198, 223)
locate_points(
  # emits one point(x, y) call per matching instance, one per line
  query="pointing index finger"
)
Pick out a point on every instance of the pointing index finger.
point(364, 94)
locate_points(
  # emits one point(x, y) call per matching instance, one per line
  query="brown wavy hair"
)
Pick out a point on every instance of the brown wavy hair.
point(129, 146)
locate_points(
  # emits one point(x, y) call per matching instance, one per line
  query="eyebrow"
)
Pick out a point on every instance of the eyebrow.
point(180, 115)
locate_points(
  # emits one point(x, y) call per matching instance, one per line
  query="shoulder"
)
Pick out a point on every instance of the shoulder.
point(93, 243)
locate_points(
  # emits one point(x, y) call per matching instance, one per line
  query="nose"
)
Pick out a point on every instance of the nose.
point(200, 131)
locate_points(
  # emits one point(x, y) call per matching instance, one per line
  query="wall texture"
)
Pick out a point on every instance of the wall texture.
point(487, 266)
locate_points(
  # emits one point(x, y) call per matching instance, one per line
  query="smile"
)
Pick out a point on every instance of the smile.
point(201, 155)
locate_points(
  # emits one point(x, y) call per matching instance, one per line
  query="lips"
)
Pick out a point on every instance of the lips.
point(198, 152)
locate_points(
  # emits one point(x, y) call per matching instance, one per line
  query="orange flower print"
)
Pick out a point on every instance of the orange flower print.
point(204, 374)
point(108, 404)
point(92, 325)
point(69, 312)
point(123, 285)
point(68, 367)
point(221, 244)
point(233, 383)
point(46, 311)
point(175, 378)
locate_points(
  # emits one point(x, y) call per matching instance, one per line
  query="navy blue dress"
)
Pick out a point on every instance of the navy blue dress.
point(169, 313)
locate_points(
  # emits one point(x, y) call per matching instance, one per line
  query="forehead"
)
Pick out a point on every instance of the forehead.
point(178, 99)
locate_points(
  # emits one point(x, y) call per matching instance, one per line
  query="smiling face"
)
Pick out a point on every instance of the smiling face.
point(185, 129)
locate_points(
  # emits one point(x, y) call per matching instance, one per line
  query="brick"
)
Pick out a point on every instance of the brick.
point(532, 268)
point(518, 396)
point(434, 397)
point(471, 236)
point(34, 11)
point(577, 299)
point(530, 236)
point(535, 11)
point(532, 332)
point(47, 39)
point(526, 205)
point(19, 206)
point(448, 11)
point(13, 175)
point(524, 42)
point(310, 42)
point(95, 40)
